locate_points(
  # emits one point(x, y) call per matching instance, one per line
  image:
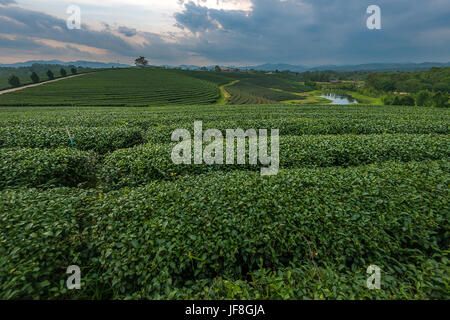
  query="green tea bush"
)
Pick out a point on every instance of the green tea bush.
point(172, 234)
point(306, 126)
point(147, 163)
point(214, 232)
point(164, 240)
point(41, 235)
point(46, 168)
point(328, 282)
point(101, 140)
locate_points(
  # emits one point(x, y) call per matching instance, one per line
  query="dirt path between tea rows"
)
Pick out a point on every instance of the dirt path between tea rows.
point(39, 84)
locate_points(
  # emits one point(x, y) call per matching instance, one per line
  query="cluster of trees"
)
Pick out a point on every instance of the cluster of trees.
point(422, 98)
point(14, 81)
point(433, 80)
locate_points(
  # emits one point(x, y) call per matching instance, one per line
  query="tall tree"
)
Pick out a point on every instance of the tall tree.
point(14, 81)
point(50, 75)
point(141, 62)
point(34, 77)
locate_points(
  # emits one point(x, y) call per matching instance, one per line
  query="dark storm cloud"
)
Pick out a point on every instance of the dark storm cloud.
point(320, 31)
point(291, 31)
point(33, 24)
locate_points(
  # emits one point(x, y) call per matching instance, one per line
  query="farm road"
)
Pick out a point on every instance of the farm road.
point(39, 84)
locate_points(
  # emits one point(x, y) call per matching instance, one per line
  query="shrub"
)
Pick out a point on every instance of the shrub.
point(14, 81)
point(100, 140)
point(345, 218)
point(50, 75)
point(45, 168)
point(34, 77)
point(440, 99)
point(41, 235)
point(145, 164)
point(74, 70)
point(407, 100)
point(424, 98)
point(63, 72)
point(176, 238)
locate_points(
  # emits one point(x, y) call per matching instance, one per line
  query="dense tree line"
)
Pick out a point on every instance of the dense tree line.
point(425, 88)
point(423, 98)
point(435, 79)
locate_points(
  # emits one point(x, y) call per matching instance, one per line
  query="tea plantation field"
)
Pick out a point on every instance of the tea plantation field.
point(157, 87)
point(358, 186)
point(120, 87)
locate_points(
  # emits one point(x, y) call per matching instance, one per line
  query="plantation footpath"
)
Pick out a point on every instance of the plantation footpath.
point(357, 186)
point(38, 84)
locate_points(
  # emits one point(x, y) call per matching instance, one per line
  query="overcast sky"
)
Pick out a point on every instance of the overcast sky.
point(226, 32)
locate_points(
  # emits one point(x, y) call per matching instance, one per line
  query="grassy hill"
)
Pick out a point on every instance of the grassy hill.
point(119, 87)
point(145, 87)
point(23, 73)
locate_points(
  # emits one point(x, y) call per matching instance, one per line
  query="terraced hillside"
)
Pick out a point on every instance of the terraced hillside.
point(120, 87)
point(358, 186)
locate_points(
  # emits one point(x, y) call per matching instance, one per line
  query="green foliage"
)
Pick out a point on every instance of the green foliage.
point(264, 90)
point(74, 70)
point(173, 239)
point(435, 79)
point(63, 72)
point(14, 81)
point(120, 87)
point(34, 77)
point(358, 185)
point(50, 75)
point(441, 99)
point(24, 73)
point(146, 164)
point(100, 140)
point(399, 100)
point(45, 168)
point(424, 98)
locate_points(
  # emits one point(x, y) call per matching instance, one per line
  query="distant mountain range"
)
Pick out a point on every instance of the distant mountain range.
point(84, 64)
point(262, 67)
point(360, 67)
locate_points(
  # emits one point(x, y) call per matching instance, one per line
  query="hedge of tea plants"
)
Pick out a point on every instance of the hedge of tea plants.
point(357, 186)
point(101, 140)
point(145, 164)
point(176, 239)
point(46, 168)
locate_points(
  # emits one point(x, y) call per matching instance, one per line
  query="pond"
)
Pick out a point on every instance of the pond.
point(339, 98)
